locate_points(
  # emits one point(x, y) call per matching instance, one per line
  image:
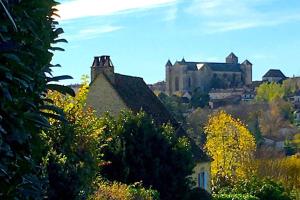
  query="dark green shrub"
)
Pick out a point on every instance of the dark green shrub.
point(198, 193)
point(28, 34)
point(141, 151)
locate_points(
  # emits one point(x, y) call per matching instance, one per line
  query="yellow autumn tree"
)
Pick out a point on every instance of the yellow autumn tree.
point(231, 146)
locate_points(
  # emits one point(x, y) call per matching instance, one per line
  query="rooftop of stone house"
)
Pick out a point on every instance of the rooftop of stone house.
point(138, 96)
point(274, 73)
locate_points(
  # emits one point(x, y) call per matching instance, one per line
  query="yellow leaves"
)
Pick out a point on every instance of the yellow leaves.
point(285, 170)
point(229, 143)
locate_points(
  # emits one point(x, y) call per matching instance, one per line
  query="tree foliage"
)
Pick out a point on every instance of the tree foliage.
point(230, 145)
point(262, 189)
point(120, 191)
point(291, 86)
point(141, 151)
point(27, 35)
point(269, 92)
point(285, 170)
point(72, 151)
point(199, 99)
point(174, 105)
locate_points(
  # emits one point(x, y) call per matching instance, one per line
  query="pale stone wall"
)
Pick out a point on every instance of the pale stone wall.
point(202, 167)
point(202, 78)
point(103, 98)
point(223, 94)
point(272, 79)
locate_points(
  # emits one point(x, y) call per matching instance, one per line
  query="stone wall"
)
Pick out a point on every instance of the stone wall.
point(103, 98)
point(202, 167)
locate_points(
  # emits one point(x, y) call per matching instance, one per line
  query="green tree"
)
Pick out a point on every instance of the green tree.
point(141, 151)
point(72, 150)
point(199, 99)
point(269, 92)
point(291, 86)
point(174, 105)
point(263, 189)
point(28, 34)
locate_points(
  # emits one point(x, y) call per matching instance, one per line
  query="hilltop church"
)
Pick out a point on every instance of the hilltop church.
point(186, 76)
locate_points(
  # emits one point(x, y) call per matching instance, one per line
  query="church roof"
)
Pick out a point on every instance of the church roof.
point(220, 67)
point(137, 95)
point(274, 73)
point(224, 67)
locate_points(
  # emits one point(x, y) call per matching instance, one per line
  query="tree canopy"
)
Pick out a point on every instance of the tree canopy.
point(269, 92)
point(28, 38)
point(230, 145)
point(141, 151)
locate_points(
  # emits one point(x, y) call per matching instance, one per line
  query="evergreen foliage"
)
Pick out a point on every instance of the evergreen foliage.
point(199, 99)
point(28, 33)
point(141, 151)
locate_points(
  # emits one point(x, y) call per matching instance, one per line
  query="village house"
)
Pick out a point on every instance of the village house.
point(274, 75)
point(113, 92)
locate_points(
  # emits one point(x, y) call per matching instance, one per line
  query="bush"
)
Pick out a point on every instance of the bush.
point(234, 197)
point(198, 193)
point(120, 191)
point(264, 189)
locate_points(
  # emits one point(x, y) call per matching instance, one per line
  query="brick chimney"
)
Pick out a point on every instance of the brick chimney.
point(102, 64)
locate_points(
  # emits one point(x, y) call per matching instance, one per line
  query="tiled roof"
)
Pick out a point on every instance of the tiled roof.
point(274, 73)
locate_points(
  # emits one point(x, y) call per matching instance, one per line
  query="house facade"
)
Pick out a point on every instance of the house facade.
point(113, 92)
point(274, 75)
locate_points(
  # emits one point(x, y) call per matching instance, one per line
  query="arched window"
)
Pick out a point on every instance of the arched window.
point(176, 84)
point(189, 82)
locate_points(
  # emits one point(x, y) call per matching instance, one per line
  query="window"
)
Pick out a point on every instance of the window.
point(202, 180)
point(189, 82)
point(176, 84)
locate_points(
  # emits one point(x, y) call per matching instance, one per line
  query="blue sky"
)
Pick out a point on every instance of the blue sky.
point(141, 35)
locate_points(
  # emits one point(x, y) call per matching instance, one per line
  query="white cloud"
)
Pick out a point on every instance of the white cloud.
point(228, 15)
point(86, 8)
point(92, 32)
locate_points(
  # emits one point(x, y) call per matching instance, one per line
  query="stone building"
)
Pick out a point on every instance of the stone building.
point(113, 92)
point(185, 76)
point(274, 75)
